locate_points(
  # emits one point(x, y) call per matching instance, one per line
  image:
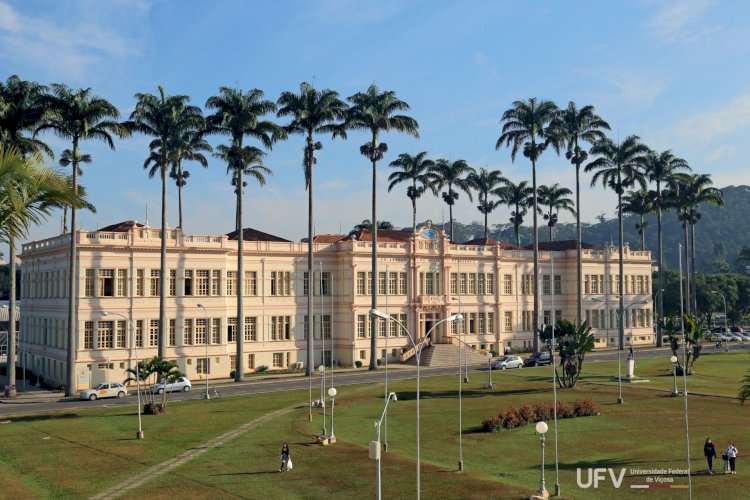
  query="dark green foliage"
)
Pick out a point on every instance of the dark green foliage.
point(511, 418)
point(572, 342)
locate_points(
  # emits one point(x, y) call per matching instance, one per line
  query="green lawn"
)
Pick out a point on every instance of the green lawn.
point(88, 451)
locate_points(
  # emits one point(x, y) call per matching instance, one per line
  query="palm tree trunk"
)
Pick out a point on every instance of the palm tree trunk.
point(659, 292)
point(11, 364)
point(65, 219)
point(621, 328)
point(239, 372)
point(414, 216)
point(695, 272)
point(518, 234)
point(550, 229)
point(450, 215)
point(310, 323)
point(70, 375)
point(374, 284)
point(485, 219)
point(643, 235)
point(179, 193)
point(687, 268)
point(162, 350)
point(535, 320)
point(579, 262)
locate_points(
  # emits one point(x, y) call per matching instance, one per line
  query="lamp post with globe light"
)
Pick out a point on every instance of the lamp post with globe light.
point(206, 338)
point(375, 447)
point(490, 385)
point(332, 394)
point(673, 359)
point(541, 429)
point(417, 353)
point(322, 371)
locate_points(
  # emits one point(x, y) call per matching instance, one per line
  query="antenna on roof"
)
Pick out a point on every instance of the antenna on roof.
point(146, 224)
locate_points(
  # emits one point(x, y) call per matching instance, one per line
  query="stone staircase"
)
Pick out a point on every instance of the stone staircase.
point(445, 355)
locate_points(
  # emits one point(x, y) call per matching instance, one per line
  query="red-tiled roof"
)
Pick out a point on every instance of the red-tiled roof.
point(121, 227)
point(328, 238)
point(384, 235)
point(561, 245)
point(250, 234)
point(492, 242)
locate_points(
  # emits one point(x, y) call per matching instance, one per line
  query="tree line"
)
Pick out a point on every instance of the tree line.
point(642, 179)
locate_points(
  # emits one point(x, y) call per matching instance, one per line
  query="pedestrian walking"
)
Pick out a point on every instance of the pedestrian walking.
point(286, 459)
point(709, 451)
point(732, 456)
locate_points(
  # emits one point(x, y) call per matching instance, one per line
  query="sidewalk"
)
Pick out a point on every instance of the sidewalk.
point(30, 393)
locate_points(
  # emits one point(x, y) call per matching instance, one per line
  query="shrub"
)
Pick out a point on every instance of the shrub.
point(511, 418)
point(493, 424)
point(261, 368)
point(564, 410)
point(585, 408)
point(544, 410)
point(358, 364)
point(528, 414)
point(379, 362)
point(231, 374)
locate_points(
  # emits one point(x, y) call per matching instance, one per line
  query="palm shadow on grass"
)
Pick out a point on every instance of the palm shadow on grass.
point(412, 395)
point(39, 418)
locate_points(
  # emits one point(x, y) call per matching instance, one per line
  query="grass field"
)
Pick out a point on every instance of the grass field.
point(78, 454)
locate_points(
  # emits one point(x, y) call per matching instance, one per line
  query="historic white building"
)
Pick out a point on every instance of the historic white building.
point(421, 279)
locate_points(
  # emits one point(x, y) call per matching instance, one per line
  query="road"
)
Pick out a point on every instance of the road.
point(259, 385)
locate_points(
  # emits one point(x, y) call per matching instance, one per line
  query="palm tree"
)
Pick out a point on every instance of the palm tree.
point(239, 115)
point(579, 126)
point(313, 112)
point(417, 170)
point(375, 112)
point(699, 192)
point(28, 193)
point(22, 109)
point(453, 174)
point(659, 169)
point(639, 203)
point(523, 125)
point(744, 256)
point(555, 198)
point(677, 197)
point(67, 160)
point(78, 115)
point(519, 198)
point(618, 167)
point(165, 118)
point(486, 183)
point(188, 146)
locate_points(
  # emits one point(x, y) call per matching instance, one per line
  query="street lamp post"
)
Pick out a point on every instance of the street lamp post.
point(619, 349)
point(417, 353)
point(541, 429)
point(206, 338)
point(332, 393)
point(375, 448)
point(726, 330)
point(322, 371)
point(490, 385)
point(673, 359)
point(139, 433)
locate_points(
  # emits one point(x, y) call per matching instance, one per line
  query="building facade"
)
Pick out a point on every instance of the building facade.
point(421, 279)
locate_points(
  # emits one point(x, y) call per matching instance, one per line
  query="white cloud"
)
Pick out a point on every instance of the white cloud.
point(635, 89)
point(719, 153)
point(671, 22)
point(706, 126)
point(65, 50)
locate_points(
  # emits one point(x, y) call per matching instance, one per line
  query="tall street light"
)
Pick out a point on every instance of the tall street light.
point(673, 359)
point(332, 393)
point(657, 296)
point(541, 429)
point(726, 330)
point(322, 371)
point(417, 353)
point(619, 349)
point(375, 447)
point(206, 338)
point(490, 385)
point(139, 434)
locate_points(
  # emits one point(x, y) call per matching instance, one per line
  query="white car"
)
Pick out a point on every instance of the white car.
point(179, 384)
point(504, 362)
point(104, 391)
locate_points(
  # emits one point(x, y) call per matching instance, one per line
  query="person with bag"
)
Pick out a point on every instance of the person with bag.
point(709, 451)
point(732, 456)
point(286, 459)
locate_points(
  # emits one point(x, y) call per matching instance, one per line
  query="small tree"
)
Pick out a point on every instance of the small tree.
point(150, 371)
point(693, 340)
point(745, 389)
point(573, 342)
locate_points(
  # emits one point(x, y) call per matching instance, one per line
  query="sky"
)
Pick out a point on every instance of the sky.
point(674, 73)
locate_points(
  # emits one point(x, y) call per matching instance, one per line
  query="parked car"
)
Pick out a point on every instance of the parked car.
point(733, 337)
point(538, 359)
point(178, 384)
point(504, 362)
point(744, 336)
point(104, 391)
point(736, 329)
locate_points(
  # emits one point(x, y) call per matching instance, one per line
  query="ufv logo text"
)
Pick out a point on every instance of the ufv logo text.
point(595, 476)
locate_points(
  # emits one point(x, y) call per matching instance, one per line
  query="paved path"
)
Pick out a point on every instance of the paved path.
point(160, 469)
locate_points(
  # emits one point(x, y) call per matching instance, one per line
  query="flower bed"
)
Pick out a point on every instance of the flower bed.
point(510, 418)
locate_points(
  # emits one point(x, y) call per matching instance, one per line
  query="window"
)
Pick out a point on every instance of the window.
point(251, 283)
point(187, 337)
point(201, 366)
point(381, 283)
point(490, 322)
point(139, 283)
point(280, 282)
point(392, 283)
point(527, 284)
point(154, 288)
point(453, 284)
point(546, 285)
point(278, 360)
point(362, 354)
point(251, 329)
point(640, 285)
point(172, 283)
point(233, 361)
point(558, 284)
point(402, 283)
point(429, 283)
point(121, 334)
point(472, 284)
point(215, 283)
point(202, 279)
point(489, 284)
point(482, 325)
point(462, 283)
point(88, 335)
point(172, 332)
point(526, 320)
point(231, 282)
point(558, 315)
point(480, 284)
point(188, 283)
point(586, 284)
point(231, 329)
point(547, 318)
point(106, 333)
point(200, 331)
point(139, 333)
point(216, 331)
point(106, 282)
point(508, 322)
point(361, 326)
point(122, 282)
point(89, 285)
point(508, 284)
point(153, 333)
point(251, 361)
point(325, 283)
point(361, 283)
point(382, 324)
point(326, 326)
point(280, 327)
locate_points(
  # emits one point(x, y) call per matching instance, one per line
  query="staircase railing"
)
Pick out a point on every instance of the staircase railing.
point(407, 355)
point(460, 343)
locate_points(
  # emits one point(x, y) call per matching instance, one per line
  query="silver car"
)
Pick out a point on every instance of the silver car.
point(504, 362)
point(104, 391)
point(178, 384)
